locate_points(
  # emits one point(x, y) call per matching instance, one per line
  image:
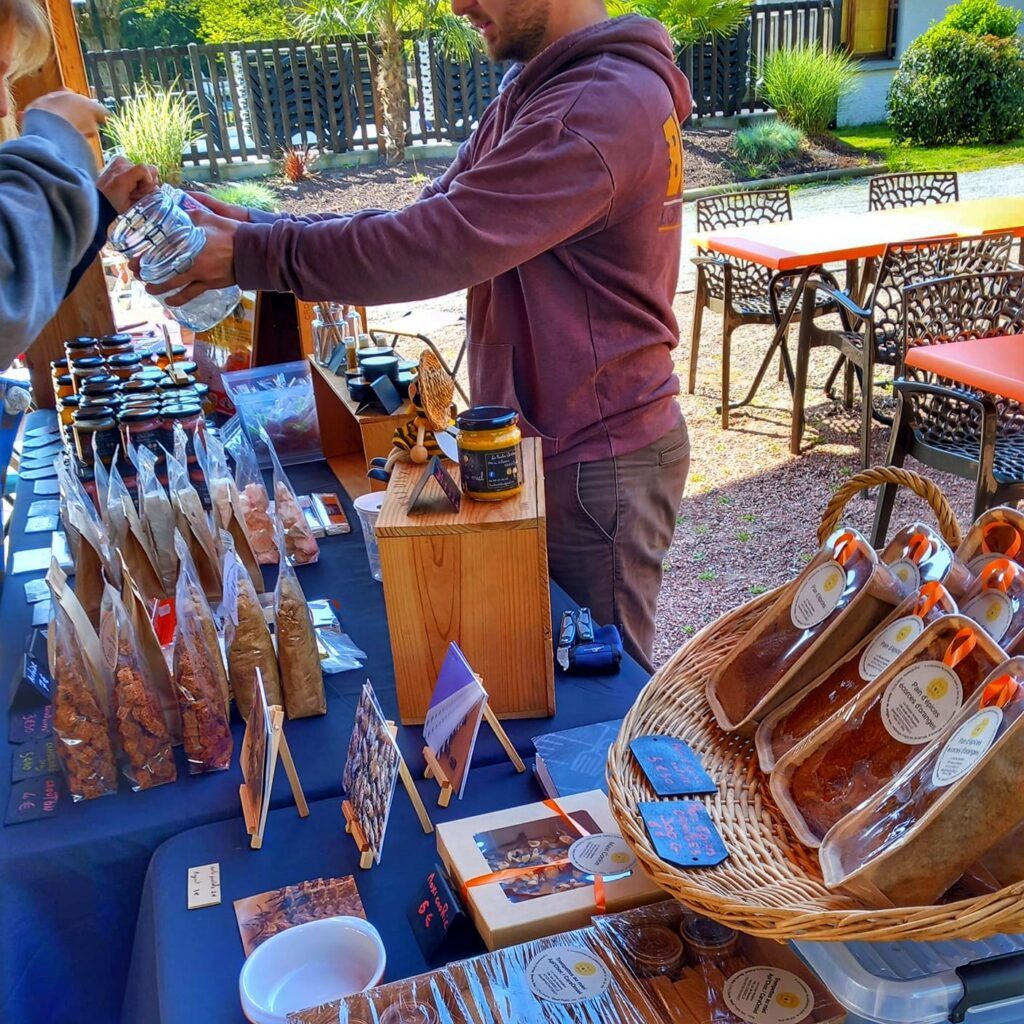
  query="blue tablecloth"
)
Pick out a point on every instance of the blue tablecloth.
point(70, 886)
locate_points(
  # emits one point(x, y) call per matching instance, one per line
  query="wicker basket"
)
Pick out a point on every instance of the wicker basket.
point(771, 885)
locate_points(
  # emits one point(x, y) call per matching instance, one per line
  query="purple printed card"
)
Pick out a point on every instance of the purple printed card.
point(671, 767)
point(683, 833)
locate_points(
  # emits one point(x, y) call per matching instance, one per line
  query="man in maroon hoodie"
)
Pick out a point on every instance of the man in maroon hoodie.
point(561, 215)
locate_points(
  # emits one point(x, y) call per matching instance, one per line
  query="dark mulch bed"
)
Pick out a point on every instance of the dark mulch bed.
point(707, 154)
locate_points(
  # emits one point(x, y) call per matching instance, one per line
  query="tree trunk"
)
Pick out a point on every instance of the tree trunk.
point(393, 90)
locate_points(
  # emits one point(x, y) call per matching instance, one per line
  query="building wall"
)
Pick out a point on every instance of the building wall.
point(866, 103)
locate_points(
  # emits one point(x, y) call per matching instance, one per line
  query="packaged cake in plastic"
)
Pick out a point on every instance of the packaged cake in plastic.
point(696, 971)
point(254, 501)
point(842, 595)
point(859, 751)
point(944, 811)
point(427, 999)
point(918, 554)
point(805, 711)
point(574, 978)
point(996, 601)
point(300, 544)
point(996, 533)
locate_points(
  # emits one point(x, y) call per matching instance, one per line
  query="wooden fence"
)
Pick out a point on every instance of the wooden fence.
point(254, 100)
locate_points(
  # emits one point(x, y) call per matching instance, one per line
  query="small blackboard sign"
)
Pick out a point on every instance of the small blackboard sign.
point(31, 724)
point(450, 493)
point(386, 392)
point(437, 917)
point(338, 361)
point(671, 767)
point(32, 799)
point(34, 685)
point(683, 833)
point(30, 760)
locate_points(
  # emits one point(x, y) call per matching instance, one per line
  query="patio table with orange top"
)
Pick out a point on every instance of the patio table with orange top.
point(995, 365)
point(801, 248)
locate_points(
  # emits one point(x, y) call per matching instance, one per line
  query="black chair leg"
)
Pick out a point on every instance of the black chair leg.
point(898, 448)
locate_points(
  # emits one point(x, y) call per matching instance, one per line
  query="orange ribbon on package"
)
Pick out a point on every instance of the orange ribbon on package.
point(960, 646)
point(508, 874)
point(989, 529)
point(1004, 569)
point(920, 545)
point(928, 597)
point(844, 548)
point(1000, 692)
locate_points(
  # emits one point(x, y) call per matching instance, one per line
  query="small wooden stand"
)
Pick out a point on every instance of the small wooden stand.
point(358, 836)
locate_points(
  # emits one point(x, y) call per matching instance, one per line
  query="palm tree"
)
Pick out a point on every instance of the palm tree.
point(387, 21)
point(689, 21)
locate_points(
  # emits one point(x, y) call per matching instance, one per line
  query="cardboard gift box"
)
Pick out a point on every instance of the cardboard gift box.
point(529, 872)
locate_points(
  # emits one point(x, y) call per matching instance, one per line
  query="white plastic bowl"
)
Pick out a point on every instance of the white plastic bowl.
point(310, 964)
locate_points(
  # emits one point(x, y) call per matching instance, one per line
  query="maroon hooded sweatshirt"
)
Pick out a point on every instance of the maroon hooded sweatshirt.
point(561, 215)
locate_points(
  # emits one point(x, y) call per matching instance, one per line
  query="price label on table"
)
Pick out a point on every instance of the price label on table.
point(33, 799)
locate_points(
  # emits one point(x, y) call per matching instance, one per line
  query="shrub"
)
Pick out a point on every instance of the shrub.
point(252, 194)
point(953, 88)
point(297, 164)
point(764, 146)
point(983, 18)
point(154, 127)
point(804, 85)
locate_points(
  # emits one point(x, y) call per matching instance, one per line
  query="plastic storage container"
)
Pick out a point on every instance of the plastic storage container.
point(923, 982)
point(279, 399)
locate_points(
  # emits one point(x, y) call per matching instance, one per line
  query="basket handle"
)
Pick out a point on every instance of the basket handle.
point(921, 486)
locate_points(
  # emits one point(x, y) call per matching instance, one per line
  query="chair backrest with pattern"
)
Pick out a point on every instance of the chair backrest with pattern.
point(897, 191)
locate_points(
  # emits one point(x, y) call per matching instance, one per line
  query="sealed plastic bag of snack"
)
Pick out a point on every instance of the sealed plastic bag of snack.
point(996, 601)
point(697, 971)
point(139, 722)
point(300, 544)
point(157, 518)
point(194, 525)
point(93, 563)
point(996, 533)
point(199, 673)
point(918, 554)
point(82, 729)
point(254, 501)
point(858, 751)
point(131, 540)
point(298, 655)
point(792, 722)
point(944, 811)
point(842, 595)
point(247, 639)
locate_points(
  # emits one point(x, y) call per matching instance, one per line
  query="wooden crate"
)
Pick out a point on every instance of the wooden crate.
point(479, 578)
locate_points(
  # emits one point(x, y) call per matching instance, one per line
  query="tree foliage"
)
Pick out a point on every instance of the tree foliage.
point(983, 18)
point(689, 21)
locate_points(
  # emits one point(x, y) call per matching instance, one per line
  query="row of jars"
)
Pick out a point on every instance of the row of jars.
point(112, 357)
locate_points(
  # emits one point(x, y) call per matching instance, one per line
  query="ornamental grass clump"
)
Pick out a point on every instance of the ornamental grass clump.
point(763, 147)
point(804, 85)
point(252, 194)
point(154, 127)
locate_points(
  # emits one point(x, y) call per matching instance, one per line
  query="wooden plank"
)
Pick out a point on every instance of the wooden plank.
point(301, 121)
point(273, 142)
point(350, 471)
point(229, 71)
point(212, 54)
point(194, 55)
point(348, 91)
point(332, 113)
point(285, 126)
point(314, 96)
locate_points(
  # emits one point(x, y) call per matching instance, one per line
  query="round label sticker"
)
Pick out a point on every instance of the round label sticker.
point(888, 646)
point(601, 855)
point(966, 747)
point(566, 975)
point(907, 573)
point(818, 595)
point(993, 611)
point(766, 995)
point(921, 701)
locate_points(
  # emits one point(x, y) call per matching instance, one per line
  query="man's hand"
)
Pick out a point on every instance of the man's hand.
point(214, 267)
point(83, 114)
point(229, 210)
point(124, 183)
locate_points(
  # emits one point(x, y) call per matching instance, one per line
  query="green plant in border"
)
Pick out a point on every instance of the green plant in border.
point(252, 194)
point(762, 147)
point(805, 84)
point(154, 127)
point(688, 21)
point(983, 18)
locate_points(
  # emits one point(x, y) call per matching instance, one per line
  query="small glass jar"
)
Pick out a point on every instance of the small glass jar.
point(490, 453)
point(142, 426)
point(96, 387)
point(84, 368)
point(190, 416)
point(58, 367)
point(160, 358)
point(124, 365)
point(707, 941)
point(81, 347)
point(206, 399)
point(66, 408)
point(171, 386)
point(63, 386)
point(99, 426)
point(116, 344)
point(150, 373)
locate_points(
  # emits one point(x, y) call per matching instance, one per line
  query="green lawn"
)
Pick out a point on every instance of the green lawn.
point(875, 138)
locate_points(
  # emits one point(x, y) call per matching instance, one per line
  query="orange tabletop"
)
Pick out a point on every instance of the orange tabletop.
point(995, 365)
point(811, 242)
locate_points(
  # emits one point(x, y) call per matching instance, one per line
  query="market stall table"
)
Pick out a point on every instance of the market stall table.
point(71, 884)
point(995, 365)
point(804, 247)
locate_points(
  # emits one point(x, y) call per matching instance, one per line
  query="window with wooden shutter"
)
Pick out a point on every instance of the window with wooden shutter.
point(869, 27)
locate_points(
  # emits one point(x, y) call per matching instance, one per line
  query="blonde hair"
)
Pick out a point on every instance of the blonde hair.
point(31, 48)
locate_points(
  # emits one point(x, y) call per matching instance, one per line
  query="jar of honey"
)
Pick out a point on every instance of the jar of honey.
point(58, 367)
point(98, 423)
point(67, 407)
point(63, 386)
point(160, 355)
point(150, 373)
point(124, 365)
point(142, 426)
point(136, 388)
point(81, 347)
point(116, 344)
point(82, 369)
point(490, 453)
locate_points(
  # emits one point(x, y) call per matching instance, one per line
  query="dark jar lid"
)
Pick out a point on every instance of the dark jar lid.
point(133, 386)
point(79, 343)
point(182, 382)
point(70, 402)
point(709, 937)
point(125, 360)
point(181, 412)
point(153, 373)
point(58, 365)
point(139, 414)
point(109, 340)
point(487, 417)
point(64, 380)
point(373, 352)
point(88, 363)
point(98, 380)
point(106, 392)
point(97, 414)
point(94, 401)
point(186, 366)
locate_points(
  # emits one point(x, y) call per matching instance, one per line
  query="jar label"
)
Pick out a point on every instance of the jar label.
point(966, 747)
point(888, 646)
point(767, 995)
point(601, 855)
point(817, 597)
point(921, 701)
point(993, 611)
point(490, 472)
point(566, 975)
point(907, 573)
point(151, 439)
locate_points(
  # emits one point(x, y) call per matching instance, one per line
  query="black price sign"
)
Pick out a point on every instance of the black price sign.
point(32, 799)
point(31, 760)
point(437, 914)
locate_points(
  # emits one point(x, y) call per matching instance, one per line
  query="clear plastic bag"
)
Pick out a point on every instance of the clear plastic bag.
point(254, 501)
point(996, 600)
point(338, 651)
point(300, 544)
point(918, 554)
point(199, 674)
point(129, 537)
point(157, 517)
point(193, 524)
point(141, 729)
point(996, 533)
point(93, 555)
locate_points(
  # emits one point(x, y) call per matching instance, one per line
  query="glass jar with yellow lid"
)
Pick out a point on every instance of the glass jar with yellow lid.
point(490, 453)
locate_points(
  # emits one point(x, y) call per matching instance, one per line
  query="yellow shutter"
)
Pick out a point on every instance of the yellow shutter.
point(866, 26)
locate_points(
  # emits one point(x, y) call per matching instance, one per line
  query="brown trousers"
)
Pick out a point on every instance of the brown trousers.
point(610, 524)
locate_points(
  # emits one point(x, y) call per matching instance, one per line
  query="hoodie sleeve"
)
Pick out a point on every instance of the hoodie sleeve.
point(48, 216)
point(543, 185)
point(440, 185)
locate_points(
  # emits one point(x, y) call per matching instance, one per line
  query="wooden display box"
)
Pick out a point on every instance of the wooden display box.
point(479, 578)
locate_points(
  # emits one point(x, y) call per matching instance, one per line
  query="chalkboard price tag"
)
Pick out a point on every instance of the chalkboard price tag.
point(683, 833)
point(451, 496)
point(671, 767)
point(32, 799)
point(30, 760)
point(437, 916)
point(31, 724)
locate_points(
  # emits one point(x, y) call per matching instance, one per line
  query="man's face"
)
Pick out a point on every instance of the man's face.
point(511, 29)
